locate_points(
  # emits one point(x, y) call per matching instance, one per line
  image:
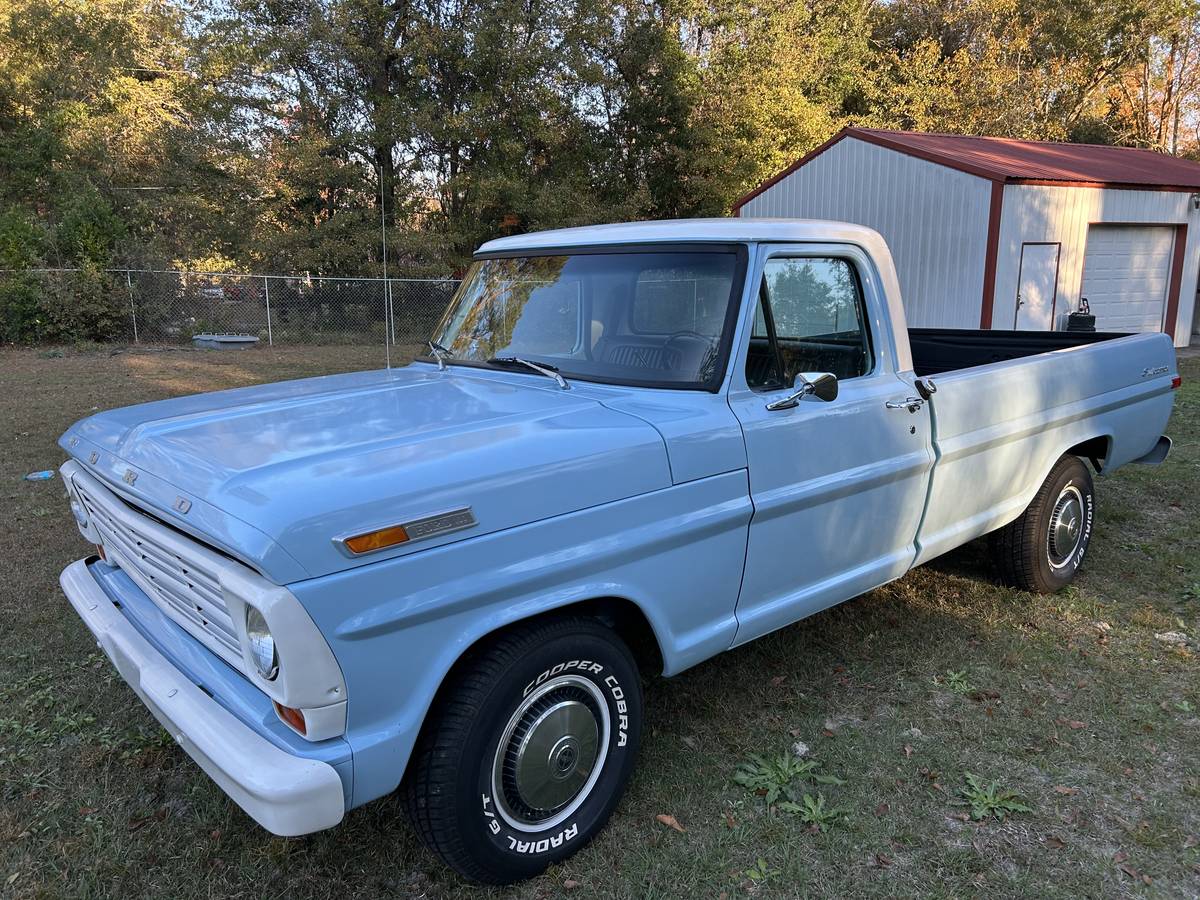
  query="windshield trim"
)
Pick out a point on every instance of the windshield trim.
point(741, 253)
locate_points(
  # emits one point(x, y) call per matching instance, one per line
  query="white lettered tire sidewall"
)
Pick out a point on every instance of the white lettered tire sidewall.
point(1075, 475)
point(609, 667)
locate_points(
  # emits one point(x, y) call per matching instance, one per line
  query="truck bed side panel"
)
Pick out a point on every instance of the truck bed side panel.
point(998, 429)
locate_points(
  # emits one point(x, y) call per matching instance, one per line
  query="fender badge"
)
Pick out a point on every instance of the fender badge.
point(182, 505)
point(74, 442)
point(129, 477)
point(1154, 370)
point(93, 457)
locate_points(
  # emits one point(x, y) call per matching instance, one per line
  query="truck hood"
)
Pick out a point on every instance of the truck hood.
point(305, 463)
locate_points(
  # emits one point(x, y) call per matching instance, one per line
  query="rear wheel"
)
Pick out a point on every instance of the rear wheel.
point(528, 751)
point(1043, 548)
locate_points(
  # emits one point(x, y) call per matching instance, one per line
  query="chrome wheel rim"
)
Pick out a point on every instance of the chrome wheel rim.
point(550, 753)
point(1066, 527)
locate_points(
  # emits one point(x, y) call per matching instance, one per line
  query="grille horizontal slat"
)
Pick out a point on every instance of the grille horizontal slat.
point(178, 582)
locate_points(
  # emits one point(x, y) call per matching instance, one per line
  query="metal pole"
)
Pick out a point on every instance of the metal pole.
point(387, 293)
point(267, 292)
point(132, 307)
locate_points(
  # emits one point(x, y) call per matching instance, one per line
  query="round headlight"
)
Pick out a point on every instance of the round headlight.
point(262, 645)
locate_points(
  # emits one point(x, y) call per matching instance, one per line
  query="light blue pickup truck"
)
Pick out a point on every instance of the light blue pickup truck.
point(629, 448)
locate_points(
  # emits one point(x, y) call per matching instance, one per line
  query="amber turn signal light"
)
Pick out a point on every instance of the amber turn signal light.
point(376, 540)
point(293, 717)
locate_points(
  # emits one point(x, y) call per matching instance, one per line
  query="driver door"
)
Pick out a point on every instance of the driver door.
point(838, 487)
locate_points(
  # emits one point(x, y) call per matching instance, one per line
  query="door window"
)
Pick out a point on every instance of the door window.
point(810, 319)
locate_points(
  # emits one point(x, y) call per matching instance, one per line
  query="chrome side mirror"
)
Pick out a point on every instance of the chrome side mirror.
point(822, 385)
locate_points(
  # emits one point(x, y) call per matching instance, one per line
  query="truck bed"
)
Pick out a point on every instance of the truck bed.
point(938, 350)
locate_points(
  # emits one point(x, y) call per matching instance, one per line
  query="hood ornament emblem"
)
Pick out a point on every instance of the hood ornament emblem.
point(130, 477)
point(181, 505)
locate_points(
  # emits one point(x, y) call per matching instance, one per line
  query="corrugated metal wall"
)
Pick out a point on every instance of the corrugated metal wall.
point(1038, 213)
point(935, 220)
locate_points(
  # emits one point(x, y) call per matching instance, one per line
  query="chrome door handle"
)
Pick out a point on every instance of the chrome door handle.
point(912, 404)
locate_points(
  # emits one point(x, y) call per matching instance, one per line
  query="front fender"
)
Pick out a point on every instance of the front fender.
point(397, 627)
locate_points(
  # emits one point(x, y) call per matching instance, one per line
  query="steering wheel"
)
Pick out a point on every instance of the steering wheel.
point(689, 335)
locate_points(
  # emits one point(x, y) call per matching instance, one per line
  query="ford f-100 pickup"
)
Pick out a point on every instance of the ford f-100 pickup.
point(629, 447)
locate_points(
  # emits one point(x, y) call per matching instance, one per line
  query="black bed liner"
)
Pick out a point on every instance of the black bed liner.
point(937, 350)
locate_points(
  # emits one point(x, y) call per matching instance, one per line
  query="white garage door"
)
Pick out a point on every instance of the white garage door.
point(1126, 272)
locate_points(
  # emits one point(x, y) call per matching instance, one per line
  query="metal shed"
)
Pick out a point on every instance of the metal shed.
point(999, 233)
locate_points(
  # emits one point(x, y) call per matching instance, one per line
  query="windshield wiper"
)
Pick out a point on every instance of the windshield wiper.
point(541, 368)
point(440, 353)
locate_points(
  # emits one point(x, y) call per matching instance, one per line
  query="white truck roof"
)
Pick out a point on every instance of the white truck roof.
point(699, 230)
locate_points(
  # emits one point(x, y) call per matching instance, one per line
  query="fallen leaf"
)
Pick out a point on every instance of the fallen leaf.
point(670, 821)
point(1190, 841)
point(1066, 791)
point(1120, 856)
point(1146, 879)
point(827, 733)
point(908, 750)
point(1054, 842)
point(570, 884)
point(729, 823)
point(881, 861)
point(778, 680)
point(87, 810)
point(1129, 870)
point(13, 877)
point(882, 809)
point(1073, 724)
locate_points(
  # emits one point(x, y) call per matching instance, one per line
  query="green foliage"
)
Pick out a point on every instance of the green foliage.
point(286, 136)
point(774, 777)
point(19, 308)
point(761, 873)
point(88, 229)
point(814, 811)
point(958, 681)
point(990, 799)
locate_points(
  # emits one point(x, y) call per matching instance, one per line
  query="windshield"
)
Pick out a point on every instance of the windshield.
point(643, 318)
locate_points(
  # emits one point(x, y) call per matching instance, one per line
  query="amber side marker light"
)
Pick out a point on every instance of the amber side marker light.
point(376, 540)
point(1176, 382)
point(293, 717)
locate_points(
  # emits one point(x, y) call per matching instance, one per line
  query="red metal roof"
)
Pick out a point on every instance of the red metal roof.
point(1025, 162)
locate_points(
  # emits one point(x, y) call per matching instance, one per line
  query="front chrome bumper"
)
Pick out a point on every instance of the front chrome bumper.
point(288, 795)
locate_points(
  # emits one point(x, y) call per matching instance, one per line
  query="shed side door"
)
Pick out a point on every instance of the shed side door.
point(1037, 289)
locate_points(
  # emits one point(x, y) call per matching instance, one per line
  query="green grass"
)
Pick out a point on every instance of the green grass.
point(1069, 702)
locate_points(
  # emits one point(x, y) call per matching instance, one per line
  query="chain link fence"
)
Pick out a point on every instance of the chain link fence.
point(155, 307)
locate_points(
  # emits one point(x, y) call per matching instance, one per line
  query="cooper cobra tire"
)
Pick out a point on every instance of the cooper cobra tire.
point(1043, 548)
point(528, 750)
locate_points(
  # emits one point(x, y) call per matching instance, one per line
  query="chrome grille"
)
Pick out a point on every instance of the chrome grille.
point(170, 568)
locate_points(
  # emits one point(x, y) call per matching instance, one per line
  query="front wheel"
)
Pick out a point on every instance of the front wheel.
point(1043, 548)
point(528, 750)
